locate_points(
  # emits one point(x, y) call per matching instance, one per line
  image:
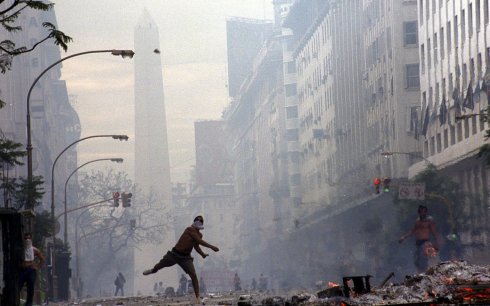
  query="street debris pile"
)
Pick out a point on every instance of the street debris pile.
point(448, 283)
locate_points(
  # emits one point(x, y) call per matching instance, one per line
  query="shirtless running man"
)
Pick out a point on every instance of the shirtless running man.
point(423, 228)
point(181, 254)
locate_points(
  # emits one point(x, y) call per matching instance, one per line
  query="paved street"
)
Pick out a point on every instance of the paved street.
point(226, 299)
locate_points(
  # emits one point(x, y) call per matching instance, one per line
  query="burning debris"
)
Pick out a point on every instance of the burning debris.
point(448, 283)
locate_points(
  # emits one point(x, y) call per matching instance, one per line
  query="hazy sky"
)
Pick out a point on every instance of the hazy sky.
point(193, 51)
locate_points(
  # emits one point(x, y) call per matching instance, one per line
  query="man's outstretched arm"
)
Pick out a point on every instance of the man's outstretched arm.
point(203, 243)
point(200, 251)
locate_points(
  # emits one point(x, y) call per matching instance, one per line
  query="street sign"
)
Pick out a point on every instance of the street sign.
point(411, 191)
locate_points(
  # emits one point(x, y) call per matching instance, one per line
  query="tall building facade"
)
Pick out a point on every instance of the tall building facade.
point(54, 121)
point(391, 86)
point(50, 133)
point(152, 169)
point(454, 48)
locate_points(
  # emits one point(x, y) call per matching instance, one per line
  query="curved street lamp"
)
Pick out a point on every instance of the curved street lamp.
point(53, 258)
point(116, 160)
point(122, 53)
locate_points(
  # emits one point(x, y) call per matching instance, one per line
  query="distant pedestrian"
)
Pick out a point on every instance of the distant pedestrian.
point(182, 285)
point(262, 282)
point(29, 267)
point(237, 282)
point(155, 288)
point(119, 283)
point(253, 285)
point(180, 254)
point(161, 289)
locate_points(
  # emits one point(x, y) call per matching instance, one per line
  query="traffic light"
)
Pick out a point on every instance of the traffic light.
point(132, 224)
point(115, 197)
point(377, 182)
point(126, 199)
point(386, 184)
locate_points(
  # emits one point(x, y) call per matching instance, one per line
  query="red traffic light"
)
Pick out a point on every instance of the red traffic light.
point(377, 181)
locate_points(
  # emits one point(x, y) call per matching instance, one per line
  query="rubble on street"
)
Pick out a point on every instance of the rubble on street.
point(448, 283)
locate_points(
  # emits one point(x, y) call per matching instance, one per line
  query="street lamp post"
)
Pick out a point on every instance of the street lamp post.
point(116, 160)
point(122, 53)
point(53, 257)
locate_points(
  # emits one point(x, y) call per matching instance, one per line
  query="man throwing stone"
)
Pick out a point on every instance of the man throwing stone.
point(181, 253)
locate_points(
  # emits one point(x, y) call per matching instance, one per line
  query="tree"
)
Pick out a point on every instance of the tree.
point(18, 189)
point(485, 149)
point(9, 15)
point(111, 233)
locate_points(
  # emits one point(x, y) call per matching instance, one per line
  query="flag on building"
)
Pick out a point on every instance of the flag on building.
point(486, 84)
point(457, 102)
point(443, 111)
point(425, 121)
point(468, 100)
point(476, 93)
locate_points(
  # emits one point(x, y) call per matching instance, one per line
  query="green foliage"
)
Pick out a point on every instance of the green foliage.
point(485, 149)
point(8, 17)
point(23, 191)
point(43, 227)
point(10, 153)
point(20, 189)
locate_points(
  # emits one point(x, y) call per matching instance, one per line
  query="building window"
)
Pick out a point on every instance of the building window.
point(410, 33)
point(434, 42)
point(455, 24)
point(452, 134)
point(291, 112)
point(412, 75)
point(474, 125)
point(478, 17)
point(466, 128)
point(414, 119)
point(422, 57)
point(438, 143)
point(441, 43)
point(479, 66)
point(446, 139)
point(432, 146)
point(421, 11)
point(429, 57)
point(290, 90)
point(295, 180)
point(291, 67)
point(292, 134)
point(460, 131)
point(470, 20)
point(463, 26)
point(448, 34)
point(485, 11)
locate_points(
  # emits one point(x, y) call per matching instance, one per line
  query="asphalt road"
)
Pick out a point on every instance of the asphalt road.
point(225, 299)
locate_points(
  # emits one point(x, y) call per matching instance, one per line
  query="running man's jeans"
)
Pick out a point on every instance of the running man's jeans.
point(28, 276)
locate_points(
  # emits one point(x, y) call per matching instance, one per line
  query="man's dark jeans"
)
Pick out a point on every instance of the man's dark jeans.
point(420, 259)
point(28, 276)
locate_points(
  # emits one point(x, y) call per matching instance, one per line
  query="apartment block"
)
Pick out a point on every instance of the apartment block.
point(454, 47)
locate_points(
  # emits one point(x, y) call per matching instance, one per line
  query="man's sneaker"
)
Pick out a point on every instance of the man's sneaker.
point(147, 272)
